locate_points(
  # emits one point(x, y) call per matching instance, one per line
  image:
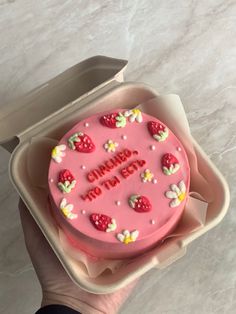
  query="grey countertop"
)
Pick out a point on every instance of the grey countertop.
point(186, 47)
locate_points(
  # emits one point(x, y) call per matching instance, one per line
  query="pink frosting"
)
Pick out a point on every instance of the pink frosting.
point(154, 225)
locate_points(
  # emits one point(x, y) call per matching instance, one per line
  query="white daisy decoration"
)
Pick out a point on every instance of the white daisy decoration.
point(177, 193)
point(110, 146)
point(147, 176)
point(66, 209)
point(134, 115)
point(127, 236)
point(58, 153)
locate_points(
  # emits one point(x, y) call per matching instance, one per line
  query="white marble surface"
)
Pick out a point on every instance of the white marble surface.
point(187, 47)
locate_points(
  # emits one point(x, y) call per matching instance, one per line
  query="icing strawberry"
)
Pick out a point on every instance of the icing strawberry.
point(66, 181)
point(158, 131)
point(140, 203)
point(170, 164)
point(113, 120)
point(103, 222)
point(81, 142)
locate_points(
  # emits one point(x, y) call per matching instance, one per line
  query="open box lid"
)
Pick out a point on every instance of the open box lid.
point(85, 78)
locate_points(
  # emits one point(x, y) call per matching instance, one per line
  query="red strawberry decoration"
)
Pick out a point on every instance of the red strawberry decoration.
point(81, 142)
point(170, 164)
point(140, 203)
point(65, 175)
point(103, 222)
point(113, 120)
point(158, 131)
point(66, 181)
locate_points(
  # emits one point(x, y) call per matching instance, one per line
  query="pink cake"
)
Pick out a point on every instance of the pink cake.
point(118, 183)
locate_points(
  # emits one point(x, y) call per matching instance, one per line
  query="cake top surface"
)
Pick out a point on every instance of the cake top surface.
point(119, 176)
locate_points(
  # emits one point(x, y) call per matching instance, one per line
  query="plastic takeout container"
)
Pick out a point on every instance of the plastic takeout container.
point(91, 86)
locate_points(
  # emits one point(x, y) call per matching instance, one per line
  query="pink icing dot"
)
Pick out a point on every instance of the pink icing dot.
point(86, 124)
point(179, 149)
point(152, 147)
point(124, 137)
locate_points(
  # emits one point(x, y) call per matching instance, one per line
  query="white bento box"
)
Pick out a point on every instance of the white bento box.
point(91, 86)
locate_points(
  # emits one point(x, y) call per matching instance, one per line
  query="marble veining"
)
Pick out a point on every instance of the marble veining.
point(186, 47)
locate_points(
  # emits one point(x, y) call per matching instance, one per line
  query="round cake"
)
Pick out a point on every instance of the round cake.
point(118, 183)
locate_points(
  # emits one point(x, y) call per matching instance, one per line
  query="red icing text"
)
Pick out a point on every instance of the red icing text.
point(109, 164)
point(106, 167)
point(132, 167)
point(92, 194)
point(110, 183)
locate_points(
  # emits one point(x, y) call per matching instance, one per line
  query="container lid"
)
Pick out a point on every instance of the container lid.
point(84, 78)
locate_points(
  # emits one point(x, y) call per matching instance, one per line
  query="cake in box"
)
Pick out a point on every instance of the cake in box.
point(118, 183)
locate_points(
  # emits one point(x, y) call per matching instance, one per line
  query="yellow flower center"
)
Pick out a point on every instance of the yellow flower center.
point(181, 197)
point(65, 211)
point(128, 239)
point(54, 152)
point(148, 175)
point(136, 111)
point(112, 146)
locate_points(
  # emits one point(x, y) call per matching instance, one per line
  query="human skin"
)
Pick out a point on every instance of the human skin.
point(57, 287)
